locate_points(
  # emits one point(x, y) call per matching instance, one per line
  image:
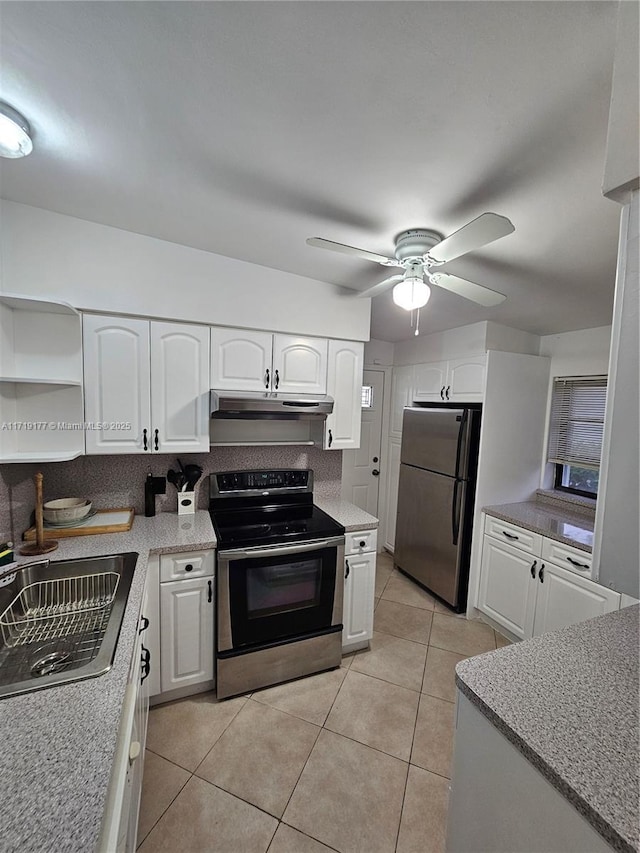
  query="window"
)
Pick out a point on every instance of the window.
point(575, 432)
point(367, 396)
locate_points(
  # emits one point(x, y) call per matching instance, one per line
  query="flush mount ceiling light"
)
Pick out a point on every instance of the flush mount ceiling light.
point(15, 139)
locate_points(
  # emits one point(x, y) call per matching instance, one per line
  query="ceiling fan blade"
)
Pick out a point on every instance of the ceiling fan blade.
point(467, 289)
point(485, 229)
point(381, 287)
point(321, 243)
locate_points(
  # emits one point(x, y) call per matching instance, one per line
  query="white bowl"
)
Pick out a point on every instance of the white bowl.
point(66, 509)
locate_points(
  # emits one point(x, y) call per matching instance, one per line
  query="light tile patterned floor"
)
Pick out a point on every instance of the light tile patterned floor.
point(353, 760)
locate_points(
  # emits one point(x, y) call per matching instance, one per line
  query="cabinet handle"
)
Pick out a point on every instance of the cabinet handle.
point(155, 439)
point(188, 567)
point(509, 535)
point(541, 573)
point(446, 393)
point(442, 393)
point(577, 564)
point(144, 624)
point(210, 594)
point(144, 439)
point(533, 569)
point(362, 543)
point(146, 663)
point(266, 378)
point(346, 574)
point(277, 379)
point(330, 438)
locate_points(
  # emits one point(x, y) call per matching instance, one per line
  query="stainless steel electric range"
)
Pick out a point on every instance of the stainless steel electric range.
point(279, 579)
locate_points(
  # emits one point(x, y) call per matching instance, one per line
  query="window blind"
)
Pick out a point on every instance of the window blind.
point(577, 420)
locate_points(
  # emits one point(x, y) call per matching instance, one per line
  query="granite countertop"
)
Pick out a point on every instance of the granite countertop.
point(549, 519)
point(568, 700)
point(350, 516)
point(58, 744)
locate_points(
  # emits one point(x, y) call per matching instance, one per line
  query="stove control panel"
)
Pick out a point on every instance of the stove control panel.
point(249, 481)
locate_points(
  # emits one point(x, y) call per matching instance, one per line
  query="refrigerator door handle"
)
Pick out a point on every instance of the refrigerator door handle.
point(461, 433)
point(455, 513)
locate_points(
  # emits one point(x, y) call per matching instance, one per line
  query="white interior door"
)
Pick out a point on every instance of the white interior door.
point(360, 484)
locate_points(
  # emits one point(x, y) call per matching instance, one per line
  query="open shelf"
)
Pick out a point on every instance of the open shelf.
point(33, 380)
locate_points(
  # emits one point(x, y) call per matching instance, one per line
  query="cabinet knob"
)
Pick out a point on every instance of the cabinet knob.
point(188, 567)
point(362, 543)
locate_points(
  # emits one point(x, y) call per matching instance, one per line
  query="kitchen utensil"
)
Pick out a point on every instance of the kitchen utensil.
point(177, 478)
point(34, 549)
point(63, 525)
point(193, 474)
point(65, 509)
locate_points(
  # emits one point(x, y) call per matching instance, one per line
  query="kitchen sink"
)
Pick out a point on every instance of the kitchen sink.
point(60, 621)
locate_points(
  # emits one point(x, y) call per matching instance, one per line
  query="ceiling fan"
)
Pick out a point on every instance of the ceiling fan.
point(418, 251)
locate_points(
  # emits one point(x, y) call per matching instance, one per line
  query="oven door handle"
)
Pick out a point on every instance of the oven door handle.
point(277, 550)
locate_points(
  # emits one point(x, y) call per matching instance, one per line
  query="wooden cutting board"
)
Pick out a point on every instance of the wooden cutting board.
point(117, 520)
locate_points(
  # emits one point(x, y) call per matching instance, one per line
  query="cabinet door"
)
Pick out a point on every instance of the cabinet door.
point(357, 611)
point(186, 613)
point(430, 381)
point(508, 587)
point(401, 396)
point(565, 598)
point(151, 635)
point(179, 388)
point(391, 503)
point(240, 360)
point(299, 365)
point(465, 379)
point(344, 384)
point(116, 384)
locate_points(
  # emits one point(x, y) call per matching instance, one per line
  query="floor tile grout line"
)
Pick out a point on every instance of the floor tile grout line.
point(306, 834)
point(404, 796)
point(246, 699)
point(139, 841)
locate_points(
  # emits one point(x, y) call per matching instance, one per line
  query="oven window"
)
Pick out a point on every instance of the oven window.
point(277, 597)
point(283, 588)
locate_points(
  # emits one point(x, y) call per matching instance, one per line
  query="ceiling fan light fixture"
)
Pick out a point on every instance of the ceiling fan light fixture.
point(411, 293)
point(15, 138)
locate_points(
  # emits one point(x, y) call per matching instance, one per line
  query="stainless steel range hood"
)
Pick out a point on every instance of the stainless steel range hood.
point(269, 405)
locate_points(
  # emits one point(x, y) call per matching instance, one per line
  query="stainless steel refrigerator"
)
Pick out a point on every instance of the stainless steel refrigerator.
point(436, 493)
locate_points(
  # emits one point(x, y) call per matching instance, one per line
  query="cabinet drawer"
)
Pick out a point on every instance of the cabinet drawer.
point(359, 542)
point(569, 558)
point(520, 538)
point(192, 564)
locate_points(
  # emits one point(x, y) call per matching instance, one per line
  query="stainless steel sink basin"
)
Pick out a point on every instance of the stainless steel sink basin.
point(60, 621)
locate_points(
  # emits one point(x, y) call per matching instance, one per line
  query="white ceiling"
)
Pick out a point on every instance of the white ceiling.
point(244, 127)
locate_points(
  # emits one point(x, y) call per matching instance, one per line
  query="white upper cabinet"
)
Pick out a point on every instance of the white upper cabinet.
point(430, 380)
point(240, 360)
point(457, 380)
point(152, 376)
point(299, 364)
point(179, 388)
point(344, 384)
point(465, 379)
point(260, 361)
point(117, 384)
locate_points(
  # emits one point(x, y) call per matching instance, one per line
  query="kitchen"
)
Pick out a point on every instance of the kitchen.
point(94, 259)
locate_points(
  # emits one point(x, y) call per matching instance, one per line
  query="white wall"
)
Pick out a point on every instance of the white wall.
point(378, 353)
point(473, 339)
point(581, 353)
point(99, 268)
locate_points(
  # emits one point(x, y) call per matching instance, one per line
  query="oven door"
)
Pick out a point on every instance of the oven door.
point(274, 593)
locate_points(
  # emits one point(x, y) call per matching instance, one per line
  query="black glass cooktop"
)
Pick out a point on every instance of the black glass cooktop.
point(272, 525)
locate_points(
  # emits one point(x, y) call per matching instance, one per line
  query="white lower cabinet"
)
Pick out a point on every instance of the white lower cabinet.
point(186, 633)
point(120, 822)
point(526, 593)
point(359, 589)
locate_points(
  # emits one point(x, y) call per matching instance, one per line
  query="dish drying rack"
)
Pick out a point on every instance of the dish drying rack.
point(54, 609)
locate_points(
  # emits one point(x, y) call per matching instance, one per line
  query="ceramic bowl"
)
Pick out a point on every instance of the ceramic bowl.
point(66, 509)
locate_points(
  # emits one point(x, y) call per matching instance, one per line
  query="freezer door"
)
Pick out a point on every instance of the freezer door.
point(428, 542)
point(435, 439)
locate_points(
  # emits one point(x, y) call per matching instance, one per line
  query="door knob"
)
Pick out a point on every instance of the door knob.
point(375, 472)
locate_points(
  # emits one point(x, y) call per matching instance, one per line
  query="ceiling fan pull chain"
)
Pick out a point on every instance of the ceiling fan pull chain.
point(417, 331)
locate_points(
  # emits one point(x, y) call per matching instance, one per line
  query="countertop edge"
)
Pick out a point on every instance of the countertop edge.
point(350, 516)
point(505, 515)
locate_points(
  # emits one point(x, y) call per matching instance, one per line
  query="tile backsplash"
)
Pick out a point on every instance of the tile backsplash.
point(112, 481)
